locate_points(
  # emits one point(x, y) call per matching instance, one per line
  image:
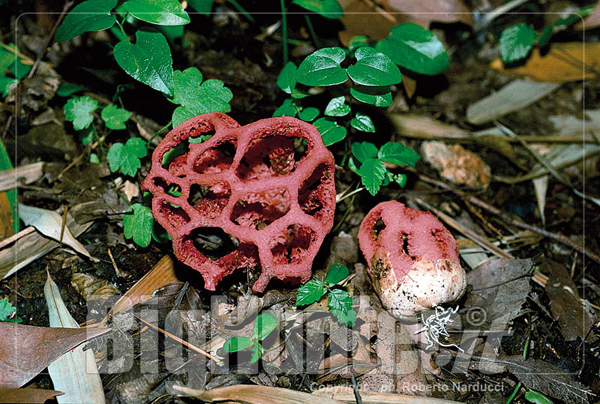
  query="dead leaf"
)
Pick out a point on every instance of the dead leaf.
point(565, 302)
point(457, 165)
point(50, 224)
point(26, 350)
point(89, 286)
point(540, 186)
point(516, 95)
point(16, 396)
point(75, 372)
point(571, 61)
point(424, 12)
point(255, 395)
point(361, 18)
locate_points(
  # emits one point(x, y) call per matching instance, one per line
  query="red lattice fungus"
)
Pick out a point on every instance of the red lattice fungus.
point(412, 259)
point(260, 195)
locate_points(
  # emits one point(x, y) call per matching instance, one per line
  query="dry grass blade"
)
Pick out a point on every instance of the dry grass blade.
point(29, 173)
point(346, 395)
point(16, 396)
point(243, 393)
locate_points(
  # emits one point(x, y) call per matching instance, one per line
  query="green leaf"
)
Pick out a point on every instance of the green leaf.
point(544, 38)
point(312, 291)
point(6, 309)
point(11, 194)
point(340, 304)
point(377, 96)
point(5, 83)
point(336, 273)
point(115, 117)
point(537, 398)
point(400, 179)
point(289, 107)
point(308, 114)
point(364, 151)
point(138, 224)
point(372, 173)
point(91, 15)
point(9, 60)
point(415, 48)
point(363, 123)
point(161, 12)
point(87, 135)
point(148, 60)
point(186, 86)
point(397, 153)
point(337, 107)
point(67, 89)
point(322, 68)
point(516, 42)
point(180, 115)
point(127, 156)
point(264, 325)
point(357, 42)
point(235, 344)
point(330, 131)
point(327, 8)
point(79, 111)
point(373, 68)
point(202, 6)
point(257, 352)
point(286, 80)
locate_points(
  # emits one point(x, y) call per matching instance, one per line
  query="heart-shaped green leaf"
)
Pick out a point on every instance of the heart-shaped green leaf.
point(337, 107)
point(327, 8)
point(160, 12)
point(336, 273)
point(373, 68)
point(91, 15)
point(363, 123)
point(148, 60)
point(377, 96)
point(415, 48)
point(322, 68)
point(330, 131)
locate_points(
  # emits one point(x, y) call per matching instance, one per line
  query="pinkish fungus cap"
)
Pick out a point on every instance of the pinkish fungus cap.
point(260, 195)
point(412, 258)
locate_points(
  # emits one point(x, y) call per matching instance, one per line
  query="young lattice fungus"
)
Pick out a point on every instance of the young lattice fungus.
point(412, 259)
point(254, 196)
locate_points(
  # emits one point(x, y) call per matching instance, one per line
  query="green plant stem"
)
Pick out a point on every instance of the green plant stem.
point(284, 32)
point(161, 130)
point(514, 393)
point(122, 29)
point(241, 9)
point(315, 38)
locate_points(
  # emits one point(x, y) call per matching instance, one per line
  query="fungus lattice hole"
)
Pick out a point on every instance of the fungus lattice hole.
point(270, 156)
point(216, 159)
point(213, 242)
point(378, 227)
point(209, 200)
point(312, 192)
point(170, 189)
point(174, 160)
point(174, 214)
point(259, 209)
point(403, 243)
point(292, 245)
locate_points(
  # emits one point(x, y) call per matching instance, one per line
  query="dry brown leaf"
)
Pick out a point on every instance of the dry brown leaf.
point(6, 218)
point(26, 350)
point(361, 18)
point(255, 395)
point(423, 12)
point(571, 61)
point(17, 396)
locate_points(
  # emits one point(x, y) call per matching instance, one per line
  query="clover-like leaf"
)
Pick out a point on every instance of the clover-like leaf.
point(322, 68)
point(415, 48)
point(115, 117)
point(516, 42)
point(397, 153)
point(312, 291)
point(340, 304)
point(235, 344)
point(363, 123)
point(79, 111)
point(264, 324)
point(337, 107)
point(377, 96)
point(138, 223)
point(148, 60)
point(336, 273)
point(327, 8)
point(163, 12)
point(330, 131)
point(364, 151)
point(372, 173)
point(373, 68)
point(91, 15)
point(126, 157)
